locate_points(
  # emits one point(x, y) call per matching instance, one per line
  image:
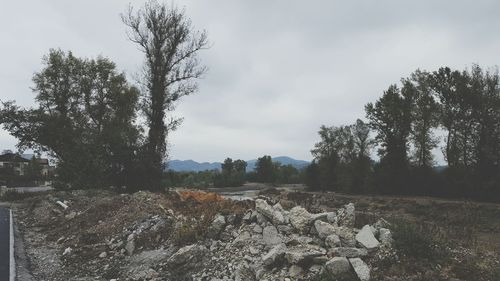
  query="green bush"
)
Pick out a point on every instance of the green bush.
point(418, 242)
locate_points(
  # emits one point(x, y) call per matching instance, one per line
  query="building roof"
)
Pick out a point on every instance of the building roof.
point(12, 157)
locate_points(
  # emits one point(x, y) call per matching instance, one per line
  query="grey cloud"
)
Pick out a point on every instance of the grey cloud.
point(278, 69)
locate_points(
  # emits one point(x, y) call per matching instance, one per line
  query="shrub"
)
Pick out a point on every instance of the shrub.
point(414, 241)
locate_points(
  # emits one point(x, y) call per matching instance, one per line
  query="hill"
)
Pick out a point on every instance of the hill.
point(193, 166)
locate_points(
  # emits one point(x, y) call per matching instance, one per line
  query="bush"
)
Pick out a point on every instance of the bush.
point(414, 241)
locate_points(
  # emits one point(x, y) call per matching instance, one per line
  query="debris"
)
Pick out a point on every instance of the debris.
point(338, 266)
point(361, 269)
point(366, 238)
point(64, 206)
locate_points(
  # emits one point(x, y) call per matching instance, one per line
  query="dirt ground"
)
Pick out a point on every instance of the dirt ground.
point(65, 244)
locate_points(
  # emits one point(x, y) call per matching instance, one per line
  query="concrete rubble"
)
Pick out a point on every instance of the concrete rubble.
point(264, 243)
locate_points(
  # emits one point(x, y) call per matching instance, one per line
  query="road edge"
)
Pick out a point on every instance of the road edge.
point(12, 274)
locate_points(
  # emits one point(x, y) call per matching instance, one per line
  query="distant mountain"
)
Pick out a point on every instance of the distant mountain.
point(284, 160)
point(193, 166)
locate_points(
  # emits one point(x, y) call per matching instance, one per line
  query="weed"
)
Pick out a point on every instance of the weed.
point(418, 242)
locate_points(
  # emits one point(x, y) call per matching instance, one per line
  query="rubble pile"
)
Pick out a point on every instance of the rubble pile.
point(275, 244)
point(265, 242)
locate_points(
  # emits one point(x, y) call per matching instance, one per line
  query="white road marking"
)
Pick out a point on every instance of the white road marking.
point(12, 260)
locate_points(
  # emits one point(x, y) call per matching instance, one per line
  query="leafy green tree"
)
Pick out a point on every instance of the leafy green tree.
point(361, 167)
point(84, 118)
point(34, 168)
point(240, 166)
point(227, 167)
point(425, 118)
point(265, 169)
point(312, 176)
point(171, 46)
point(233, 173)
point(390, 117)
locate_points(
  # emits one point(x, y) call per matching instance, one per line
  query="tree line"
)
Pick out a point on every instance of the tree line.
point(455, 111)
point(234, 173)
point(101, 129)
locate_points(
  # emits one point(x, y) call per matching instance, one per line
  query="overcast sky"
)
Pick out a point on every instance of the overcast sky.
point(278, 69)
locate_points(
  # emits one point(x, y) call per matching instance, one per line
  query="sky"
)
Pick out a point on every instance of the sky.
point(278, 70)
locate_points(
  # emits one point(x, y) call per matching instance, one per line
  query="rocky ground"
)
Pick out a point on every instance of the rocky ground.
point(100, 235)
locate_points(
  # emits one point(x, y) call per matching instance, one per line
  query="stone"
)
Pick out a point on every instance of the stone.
point(361, 268)
point(274, 255)
point(286, 229)
point(331, 217)
point(242, 239)
point(244, 273)
point(347, 237)
point(385, 236)
point(332, 241)
point(257, 229)
point(217, 226)
point(300, 219)
point(338, 265)
point(67, 251)
point(191, 254)
point(297, 240)
point(270, 236)
point(303, 254)
point(324, 229)
point(346, 215)
point(319, 216)
point(295, 271)
point(273, 214)
point(348, 252)
point(103, 255)
point(71, 215)
point(247, 217)
point(130, 246)
point(366, 238)
point(381, 223)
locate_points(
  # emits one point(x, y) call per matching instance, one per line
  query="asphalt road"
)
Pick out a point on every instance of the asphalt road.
point(4, 243)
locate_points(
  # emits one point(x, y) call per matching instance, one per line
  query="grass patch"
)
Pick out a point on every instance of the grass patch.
point(419, 241)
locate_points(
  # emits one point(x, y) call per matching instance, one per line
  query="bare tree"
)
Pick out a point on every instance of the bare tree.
point(170, 44)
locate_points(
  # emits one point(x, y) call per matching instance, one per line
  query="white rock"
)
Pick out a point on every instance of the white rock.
point(67, 251)
point(385, 236)
point(346, 215)
point(331, 217)
point(275, 215)
point(130, 246)
point(332, 241)
point(303, 253)
point(300, 218)
point(187, 254)
point(270, 236)
point(324, 229)
point(257, 229)
point(274, 255)
point(103, 255)
point(361, 269)
point(295, 271)
point(217, 226)
point(338, 265)
point(366, 238)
